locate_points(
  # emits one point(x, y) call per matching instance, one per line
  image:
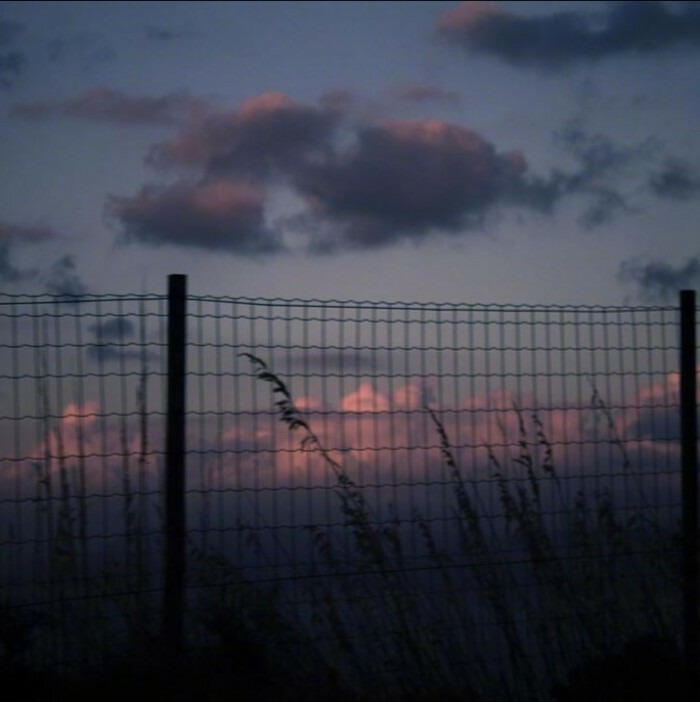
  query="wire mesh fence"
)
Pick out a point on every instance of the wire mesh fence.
point(390, 497)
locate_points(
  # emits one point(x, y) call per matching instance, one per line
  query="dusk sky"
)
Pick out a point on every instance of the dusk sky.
point(524, 153)
point(479, 152)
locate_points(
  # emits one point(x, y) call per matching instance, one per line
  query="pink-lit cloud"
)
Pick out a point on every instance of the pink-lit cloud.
point(403, 179)
point(364, 184)
point(552, 41)
point(468, 15)
point(82, 439)
point(380, 437)
point(219, 215)
point(267, 134)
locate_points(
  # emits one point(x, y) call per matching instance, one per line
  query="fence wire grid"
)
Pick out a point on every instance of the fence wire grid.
point(407, 496)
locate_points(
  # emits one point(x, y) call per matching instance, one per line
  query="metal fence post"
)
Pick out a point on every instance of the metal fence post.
point(689, 459)
point(174, 591)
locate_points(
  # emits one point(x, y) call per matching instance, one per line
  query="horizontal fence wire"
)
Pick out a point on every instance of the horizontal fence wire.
point(413, 496)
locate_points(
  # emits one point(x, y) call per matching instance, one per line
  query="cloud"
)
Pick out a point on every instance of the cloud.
point(116, 328)
point(657, 281)
point(676, 180)
point(267, 134)
point(104, 104)
point(8, 272)
point(12, 236)
point(601, 165)
point(62, 280)
point(111, 341)
point(554, 40)
point(163, 34)
point(11, 62)
point(596, 153)
point(653, 417)
point(419, 94)
point(338, 100)
point(97, 437)
point(607, 202)
point(403, 179)
point(363, 184)
point(220, 215)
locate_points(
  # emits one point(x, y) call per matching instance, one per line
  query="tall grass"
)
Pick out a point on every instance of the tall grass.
point(552, 594)
point(510, 607)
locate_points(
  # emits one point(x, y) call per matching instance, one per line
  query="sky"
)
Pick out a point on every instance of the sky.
point(510, 152)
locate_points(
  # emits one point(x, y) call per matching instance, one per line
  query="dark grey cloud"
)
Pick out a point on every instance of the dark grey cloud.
point(393, 181)
point(236, 154)
point(107, 105)
point(606, 204)
point(62, 279)
point(404, 179)
point(554, 40)
point(676, 180)
point(163, 34)
point(266, 134)
point(114, 328)
point(13, 236)
point(112, 341)
point(412, 179)
point(9, 273)
point(363, 185)
point(657, 281)
point(597, 154)
point(220, 215)
point(11, 62)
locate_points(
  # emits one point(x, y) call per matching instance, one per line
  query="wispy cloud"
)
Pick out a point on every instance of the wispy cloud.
point(16, 235)
point(164, 34)
point(676, 180)
point(658, 281)
point(62, 279)
point(11, 62)
point(555, 40)
point(598, 179)
point(104, 104)
point(220, 215)
point(113, 341)
point(115, 328)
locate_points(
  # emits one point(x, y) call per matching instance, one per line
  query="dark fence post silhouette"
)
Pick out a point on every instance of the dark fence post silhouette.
point(689, 459)
point(174, 591)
